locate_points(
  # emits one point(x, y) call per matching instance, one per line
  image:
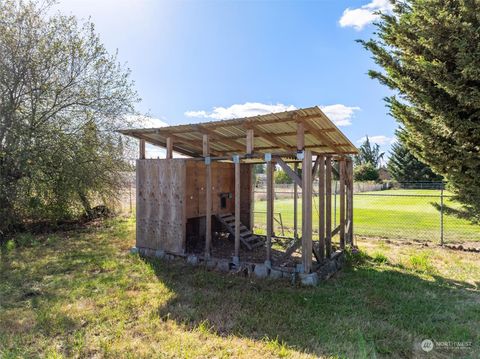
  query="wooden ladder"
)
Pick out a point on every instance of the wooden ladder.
point(247, 238)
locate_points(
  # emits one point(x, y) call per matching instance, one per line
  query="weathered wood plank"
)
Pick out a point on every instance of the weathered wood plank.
point(307, 212)
point(328, 206)
point(342, 203)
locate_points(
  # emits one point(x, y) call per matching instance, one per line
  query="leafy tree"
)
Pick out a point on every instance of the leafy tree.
point(62, 96)
point(430, 53)
point(404, 166)
point(365, 172)
point(369, 153)
point(281, 177)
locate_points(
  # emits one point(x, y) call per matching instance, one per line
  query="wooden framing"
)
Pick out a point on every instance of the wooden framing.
point(328, 206)
point(321, 207)
point(250, 141)
point(169, 148)
point(141, 149)
point(208, 196)
point(307, 212)
point(181, 202)
point(349, 234)
point(295, 204)
point(237, 209)
point(342, 203)
point(270, 197)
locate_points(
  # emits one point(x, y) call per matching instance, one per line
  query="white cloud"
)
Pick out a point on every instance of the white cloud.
point(141, 121)
point(341, 115)
point(240, 110)
point(379, 139)
point(358, 18)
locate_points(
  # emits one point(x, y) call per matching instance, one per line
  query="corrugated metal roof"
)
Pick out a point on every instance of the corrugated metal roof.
point(274, 132)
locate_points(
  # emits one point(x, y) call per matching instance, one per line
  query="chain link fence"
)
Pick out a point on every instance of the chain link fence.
point(411, 211)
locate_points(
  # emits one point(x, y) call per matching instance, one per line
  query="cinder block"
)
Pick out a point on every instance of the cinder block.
point(261, 271)
point(309, 279)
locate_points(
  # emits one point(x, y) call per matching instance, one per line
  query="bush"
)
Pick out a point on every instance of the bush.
point(365, 172)
point(281, 177)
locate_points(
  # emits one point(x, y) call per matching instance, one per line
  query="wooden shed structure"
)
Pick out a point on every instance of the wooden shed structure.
point(202, 204)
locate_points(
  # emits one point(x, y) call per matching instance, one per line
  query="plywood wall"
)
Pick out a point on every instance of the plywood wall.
point(170, 191)
point(223, 181)
point(161, 204)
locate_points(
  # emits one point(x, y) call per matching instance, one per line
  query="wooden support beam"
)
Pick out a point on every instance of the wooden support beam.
point(271, 138)
point(318, 134)
point(315, 167)
point(301, 137)
point(208, 211)
point(206, 146)
point(270, 167)
point(237, 209)
point(294, 176)
point(307, 247)
point(236, 146)
point(350, 201)
point(169, 147)
point(250, 141)
point(208, 199)
point(141, 149)
point(295, 204)
point(328, 206)
point(342, 203)
point(321, 206)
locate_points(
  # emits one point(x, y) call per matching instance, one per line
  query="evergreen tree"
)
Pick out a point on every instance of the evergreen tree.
point(430, 53)
point(369, 153)
point(403, 166)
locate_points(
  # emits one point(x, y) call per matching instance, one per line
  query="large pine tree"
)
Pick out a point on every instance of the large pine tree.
point(403, 166)
point(430, 53)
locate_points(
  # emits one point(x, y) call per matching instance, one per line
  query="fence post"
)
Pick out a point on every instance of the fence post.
point(441, 214)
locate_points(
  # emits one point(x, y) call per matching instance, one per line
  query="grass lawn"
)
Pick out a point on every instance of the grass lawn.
point(81, 294)
point(386, 214)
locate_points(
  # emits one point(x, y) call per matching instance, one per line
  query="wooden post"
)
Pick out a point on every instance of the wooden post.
point(206, 146)
point(295, 204)
point(300, 136)
point(208, 193)
point(237, 209)
point(169, 148)
point(321, 207)
point(250, 141)
point(142, 149)
point(307, 211)
point(350, 201)
point(270, 166)
point(328, 206)
point(342, 203)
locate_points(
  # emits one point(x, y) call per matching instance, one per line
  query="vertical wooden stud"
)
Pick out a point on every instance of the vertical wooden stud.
point(350, 201)
point(300, 136)
point(169, 148)
point(295, 204)
point(270, 166)
point(237, 209)
point(307, 211)
point(250, 141)
point(208, 194)
point(321, 206)
point(206, 146)
point(141, 149)
point(342, 203)
point(328, 206)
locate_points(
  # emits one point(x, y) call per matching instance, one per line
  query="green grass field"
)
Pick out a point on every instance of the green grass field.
point(81, 294)
point(379, 215)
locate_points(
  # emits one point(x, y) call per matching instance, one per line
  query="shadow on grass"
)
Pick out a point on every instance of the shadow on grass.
point(367, 310)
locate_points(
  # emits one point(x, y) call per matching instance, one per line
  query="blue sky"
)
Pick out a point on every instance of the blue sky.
point(190, 57)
